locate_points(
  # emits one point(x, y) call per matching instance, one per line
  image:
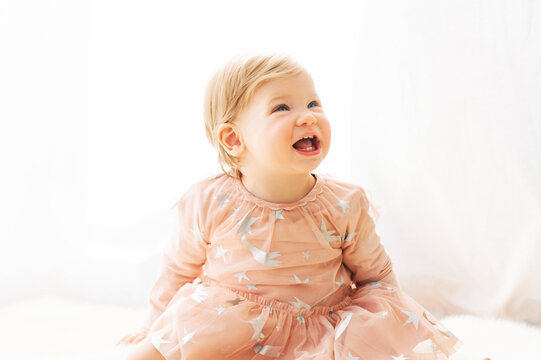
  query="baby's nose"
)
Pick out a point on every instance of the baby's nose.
point(306, 118)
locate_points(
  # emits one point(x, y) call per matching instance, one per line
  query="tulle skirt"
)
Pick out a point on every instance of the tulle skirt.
point(376, 321)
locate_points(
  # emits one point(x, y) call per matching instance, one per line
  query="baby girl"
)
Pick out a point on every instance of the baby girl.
point(270, 259)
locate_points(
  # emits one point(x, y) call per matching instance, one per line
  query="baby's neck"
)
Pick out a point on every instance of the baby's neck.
point(279, 189)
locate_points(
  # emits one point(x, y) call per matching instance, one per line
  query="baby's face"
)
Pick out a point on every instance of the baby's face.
point(280, 114)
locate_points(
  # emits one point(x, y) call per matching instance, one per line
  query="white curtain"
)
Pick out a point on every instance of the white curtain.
point(447, 136)
point(434, 107)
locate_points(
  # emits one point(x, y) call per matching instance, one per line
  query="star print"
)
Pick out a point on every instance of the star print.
point(199, 294)
point(245, 225)
point(278, 214)
point(343, 204)
point(188, 337)
point(306, 254)
point(157, 340)
point(262, 257)
point(351, 357)
point(222, 198)
point(220, 310)
point(300, 318)
point(278, 327)
point(257, 324)
point(236, 300)
point(374, 284)
point(241, 275)
point(413, 318)
point(299, 304)
point(328, 235)
point(341, 282)
point(268, 350)
point(400, 357)
point(383, 314)
point(343, 325)
point(348, 236)
point(251, 287)
point(221, 252)
point(198, 235)
point(299, 281)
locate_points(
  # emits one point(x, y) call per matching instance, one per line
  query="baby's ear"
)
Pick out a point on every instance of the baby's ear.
point(229, 137)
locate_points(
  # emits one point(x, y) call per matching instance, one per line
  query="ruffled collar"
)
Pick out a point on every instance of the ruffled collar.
point(310, 196)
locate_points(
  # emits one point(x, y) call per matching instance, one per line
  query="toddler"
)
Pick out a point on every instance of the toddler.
point(270, 259)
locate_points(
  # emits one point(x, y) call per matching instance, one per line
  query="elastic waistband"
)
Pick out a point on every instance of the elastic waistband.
point(344, 292)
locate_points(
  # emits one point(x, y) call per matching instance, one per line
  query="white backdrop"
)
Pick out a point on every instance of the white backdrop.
point(435, 107)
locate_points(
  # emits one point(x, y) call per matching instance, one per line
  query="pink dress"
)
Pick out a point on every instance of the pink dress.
point(243, 278)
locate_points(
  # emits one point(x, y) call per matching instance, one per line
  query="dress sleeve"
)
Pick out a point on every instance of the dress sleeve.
point(363, 254)
point(182, 259)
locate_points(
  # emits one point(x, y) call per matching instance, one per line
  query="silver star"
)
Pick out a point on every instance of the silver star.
point(251, 287)
point(222, 198)
point(328, 235)
point(157, 340)
point(306, 254)
point(351, 357)
point(267, 350)
point(241, 275)
point(257, 324)
point(299, 281)
point(236, 300)
point(245, 225)
point(400, 357)
point(348, 236)
point(188, 337)
point(221, 251)
point(413, 318)
point(300, 318)
point(220, 310)
point(299, 304)
point(199, 294)
point(343, 204)
point(341, 282)
point(278, 214)
point(262, 257)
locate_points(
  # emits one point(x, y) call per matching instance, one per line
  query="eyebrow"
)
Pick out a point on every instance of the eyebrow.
point(281, 97)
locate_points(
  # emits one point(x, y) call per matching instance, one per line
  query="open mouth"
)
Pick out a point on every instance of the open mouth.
point(307, 144)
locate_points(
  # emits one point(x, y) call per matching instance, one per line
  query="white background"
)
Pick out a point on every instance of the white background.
point(435, 108)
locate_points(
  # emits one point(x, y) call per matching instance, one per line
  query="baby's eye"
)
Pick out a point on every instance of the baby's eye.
point(313, 102)
point(280, 107)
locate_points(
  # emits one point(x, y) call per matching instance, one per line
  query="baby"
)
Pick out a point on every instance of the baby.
point(271, 260)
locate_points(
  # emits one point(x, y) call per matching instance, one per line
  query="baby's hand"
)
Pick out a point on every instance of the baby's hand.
point(133, 338)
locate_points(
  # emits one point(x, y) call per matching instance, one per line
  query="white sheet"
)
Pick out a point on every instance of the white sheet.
point(60, 329)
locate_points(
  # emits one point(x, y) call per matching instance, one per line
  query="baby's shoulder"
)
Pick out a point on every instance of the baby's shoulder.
point(203, 191)
point(344, 189)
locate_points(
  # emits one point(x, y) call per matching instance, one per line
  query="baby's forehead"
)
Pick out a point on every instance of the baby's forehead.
point(283, 87)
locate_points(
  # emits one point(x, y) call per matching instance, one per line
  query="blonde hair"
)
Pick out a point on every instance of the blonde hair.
point(230, 90)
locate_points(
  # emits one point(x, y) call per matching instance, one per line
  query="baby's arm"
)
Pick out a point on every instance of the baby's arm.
point(181, 262)
point(182, 259)
point(363, 253)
